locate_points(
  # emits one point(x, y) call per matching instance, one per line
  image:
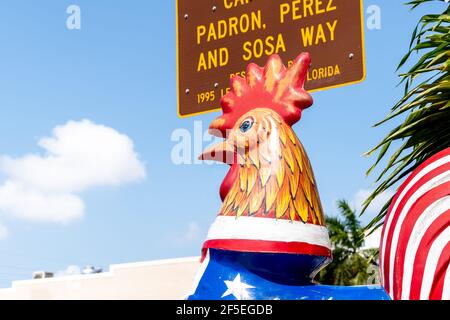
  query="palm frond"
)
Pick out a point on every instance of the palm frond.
point(350, 262)
point(426, 103)
point(352, 225)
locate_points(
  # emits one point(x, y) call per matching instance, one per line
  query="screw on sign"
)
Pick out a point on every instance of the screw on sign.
point(218, 39)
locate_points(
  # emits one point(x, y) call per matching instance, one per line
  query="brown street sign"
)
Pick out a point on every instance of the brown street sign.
point(216, 39)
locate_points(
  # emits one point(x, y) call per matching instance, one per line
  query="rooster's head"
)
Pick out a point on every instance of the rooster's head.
point(270, 174)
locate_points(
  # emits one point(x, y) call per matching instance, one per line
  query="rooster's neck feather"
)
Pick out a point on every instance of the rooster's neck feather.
point(276, 180)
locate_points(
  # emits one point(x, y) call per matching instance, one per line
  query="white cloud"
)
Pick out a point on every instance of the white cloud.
point(69, 271)
point(193, 233)
point(32, 204)
point(373, 240)
point(79, 156)
point(3, 232)
point(376, 205)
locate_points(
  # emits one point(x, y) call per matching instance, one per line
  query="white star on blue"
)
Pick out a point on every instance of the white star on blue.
point(237, 288)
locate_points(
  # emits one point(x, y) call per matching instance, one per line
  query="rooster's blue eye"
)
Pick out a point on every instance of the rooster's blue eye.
point(246, 125)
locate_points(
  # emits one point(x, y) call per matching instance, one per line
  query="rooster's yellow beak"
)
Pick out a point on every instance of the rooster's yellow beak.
point(220, 152)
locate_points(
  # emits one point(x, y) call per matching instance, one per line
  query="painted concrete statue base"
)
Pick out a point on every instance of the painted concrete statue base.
point(232, 275)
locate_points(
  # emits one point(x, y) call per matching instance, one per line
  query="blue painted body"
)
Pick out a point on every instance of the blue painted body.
point(289, 278)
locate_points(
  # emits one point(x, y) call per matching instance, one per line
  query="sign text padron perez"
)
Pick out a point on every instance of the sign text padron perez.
point(217, 39)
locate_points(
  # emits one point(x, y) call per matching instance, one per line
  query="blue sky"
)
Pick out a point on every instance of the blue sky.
point(119, 71)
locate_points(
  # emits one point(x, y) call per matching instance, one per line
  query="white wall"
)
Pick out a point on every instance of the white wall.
point(162, 279)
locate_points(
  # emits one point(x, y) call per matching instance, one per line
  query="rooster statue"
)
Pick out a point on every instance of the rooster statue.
point(269, 239)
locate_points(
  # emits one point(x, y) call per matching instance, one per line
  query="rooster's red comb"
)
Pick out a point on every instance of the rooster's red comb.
point(273, 86)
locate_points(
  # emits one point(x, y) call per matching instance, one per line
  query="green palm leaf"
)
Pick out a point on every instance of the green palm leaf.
point(351, 262)
point(426, 103)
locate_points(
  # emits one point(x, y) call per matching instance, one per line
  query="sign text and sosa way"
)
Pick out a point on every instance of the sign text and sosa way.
point(216, 39)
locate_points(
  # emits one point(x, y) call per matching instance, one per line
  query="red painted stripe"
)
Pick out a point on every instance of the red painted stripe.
point(407, 227)
point(422, 253)
point(385, 257)
point(265, 247)
point(439, 276)
point(425, 164)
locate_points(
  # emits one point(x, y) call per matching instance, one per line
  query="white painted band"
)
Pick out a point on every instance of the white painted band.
point(436, 181)
point(267, 229)
point(421, 226)
point(432, 260)
point(389, 219)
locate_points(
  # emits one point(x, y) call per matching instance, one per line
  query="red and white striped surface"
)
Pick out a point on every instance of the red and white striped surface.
point(415, 242)
point(256, 234)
